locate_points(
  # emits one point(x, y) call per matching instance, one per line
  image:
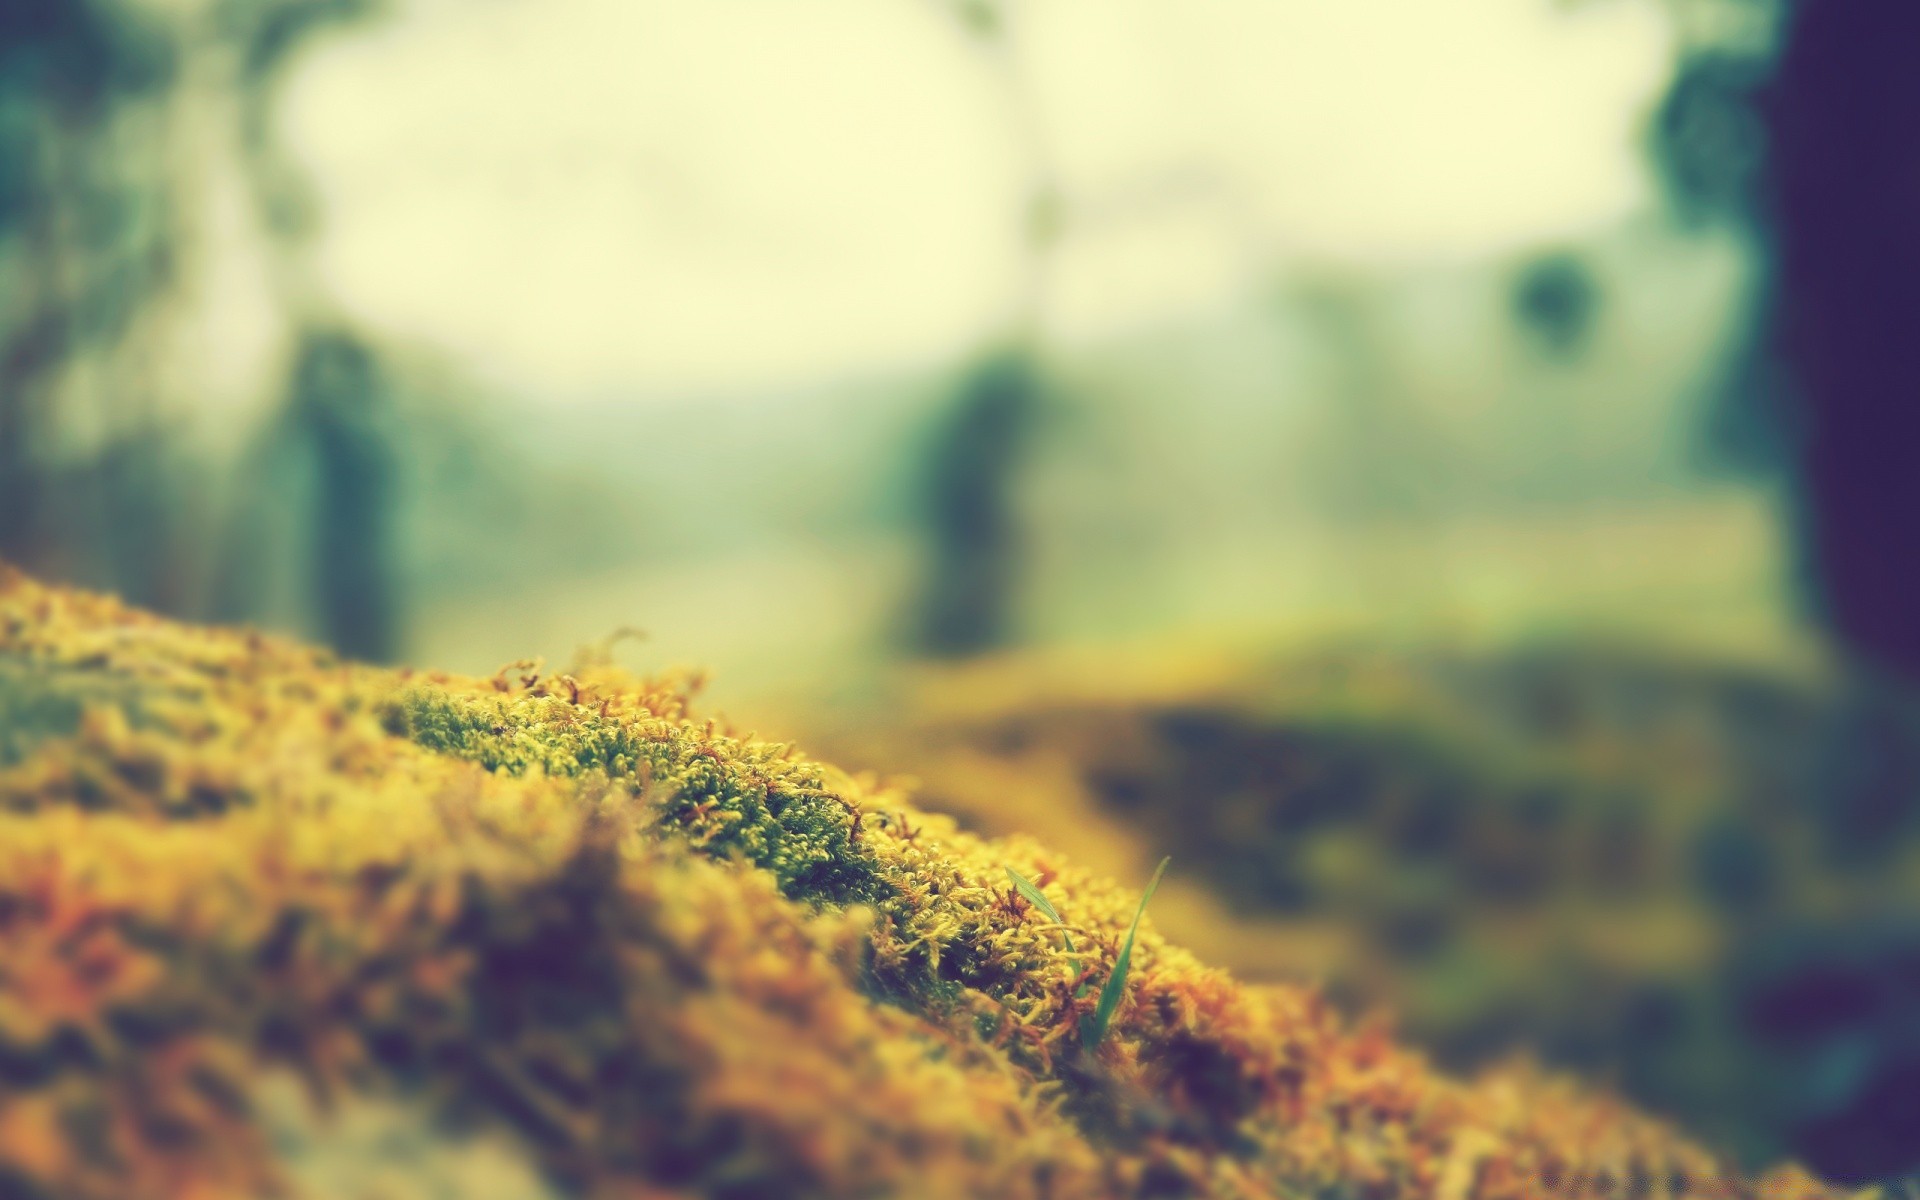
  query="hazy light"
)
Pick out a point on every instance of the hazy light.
point(596, 195)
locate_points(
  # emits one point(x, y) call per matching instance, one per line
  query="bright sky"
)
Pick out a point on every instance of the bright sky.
point(590, 196)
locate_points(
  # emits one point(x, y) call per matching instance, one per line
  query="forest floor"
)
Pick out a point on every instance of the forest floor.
point(271, 923)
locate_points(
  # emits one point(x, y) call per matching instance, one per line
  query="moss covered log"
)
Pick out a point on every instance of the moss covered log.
point(250, 893)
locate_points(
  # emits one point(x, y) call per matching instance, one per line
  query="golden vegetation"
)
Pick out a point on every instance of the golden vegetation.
point(655, 957)
point(1637, 857)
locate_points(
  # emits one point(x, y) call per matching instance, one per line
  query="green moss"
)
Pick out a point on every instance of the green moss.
point(41, 702)
point(499, 910)
point(32, 709)
point(730, 798)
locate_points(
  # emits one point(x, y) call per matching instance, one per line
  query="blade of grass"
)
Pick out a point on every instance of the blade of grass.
point(1095, 1029)
point(1038, 899)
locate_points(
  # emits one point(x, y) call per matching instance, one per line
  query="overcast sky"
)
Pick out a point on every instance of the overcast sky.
point(593, 196)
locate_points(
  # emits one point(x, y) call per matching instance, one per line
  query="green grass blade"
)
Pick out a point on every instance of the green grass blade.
point(1038, 899)
point(1095, 1030)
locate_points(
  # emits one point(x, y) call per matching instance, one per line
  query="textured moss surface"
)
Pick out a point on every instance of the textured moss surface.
point(647, 956)
point(1693, 873)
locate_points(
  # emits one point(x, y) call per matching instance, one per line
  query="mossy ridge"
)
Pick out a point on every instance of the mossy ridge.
point(947, 941)
point(725, 795)
point(627, 1010)
point(377, 896)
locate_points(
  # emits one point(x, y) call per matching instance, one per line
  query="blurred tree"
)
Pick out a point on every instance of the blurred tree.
point(1842, 195)
point(968, 479)
point(1797, 126)
point(113, 117)
point(266, 35)
point(1707, 133)
point(322, 476)
point(972, 528)
point(337, 408)
point(340, 402)
point(1843, 186)
point(86, 242)
point(1555, 297)
point(1798, 130)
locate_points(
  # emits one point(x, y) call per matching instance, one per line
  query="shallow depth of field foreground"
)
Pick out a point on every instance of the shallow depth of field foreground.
point(272, 923)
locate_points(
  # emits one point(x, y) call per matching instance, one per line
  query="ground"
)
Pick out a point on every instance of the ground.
point(276, 924)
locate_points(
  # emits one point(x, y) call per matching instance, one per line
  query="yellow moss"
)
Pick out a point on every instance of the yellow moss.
point(662, 958)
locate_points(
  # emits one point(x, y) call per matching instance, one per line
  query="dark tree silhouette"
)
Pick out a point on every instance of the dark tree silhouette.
point(1843, 187)
point(337, 404)
point(972, 528)
point(1811, 147)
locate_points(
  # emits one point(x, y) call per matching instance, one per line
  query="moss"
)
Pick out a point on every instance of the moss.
point(726, 796)
point(1576, 852)
point(651, 958)
point(38, 704)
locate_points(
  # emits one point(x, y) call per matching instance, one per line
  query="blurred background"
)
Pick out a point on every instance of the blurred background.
point(1442, 472)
